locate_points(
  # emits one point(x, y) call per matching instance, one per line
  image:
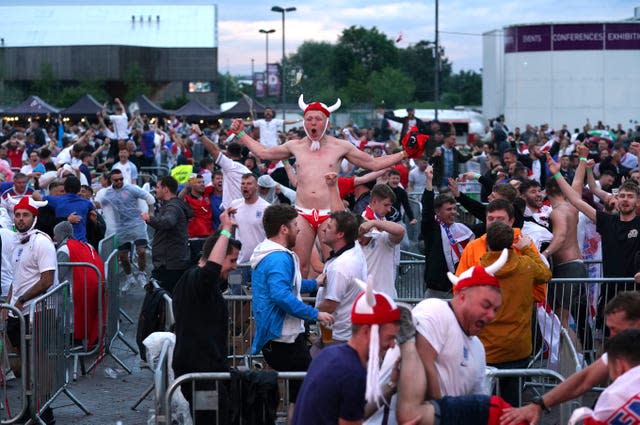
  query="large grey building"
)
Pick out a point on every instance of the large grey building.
point(174, 46)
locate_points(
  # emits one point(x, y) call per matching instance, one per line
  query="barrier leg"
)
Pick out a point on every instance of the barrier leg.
point(144, 395)
point(126, 316)
point(121, 337)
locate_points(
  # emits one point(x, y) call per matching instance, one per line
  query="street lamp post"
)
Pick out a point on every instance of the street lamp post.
point(283, 11)
point(266, 63)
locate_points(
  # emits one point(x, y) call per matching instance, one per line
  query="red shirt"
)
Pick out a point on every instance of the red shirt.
point(15, 157)
point(345, 186)
point(404, 174)
point(201, 225)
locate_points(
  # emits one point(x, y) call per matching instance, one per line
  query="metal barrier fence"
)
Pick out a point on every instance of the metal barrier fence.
point(578, 308)
point(107, 246)
point(14, 396)
point(112, 332)
point(88, 307)
point(49, 328)
point(159, 170)
point(410, 276)
point(208, 399)
point(161, 381)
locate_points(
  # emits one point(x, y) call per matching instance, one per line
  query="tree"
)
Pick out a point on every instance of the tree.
point(463, 88)
point(315, 61)
point(46, 86)
point(418, 62)
point(71, 94)
point(228, 89)
point(136, 83)
point(174, 103)
point(390, 87)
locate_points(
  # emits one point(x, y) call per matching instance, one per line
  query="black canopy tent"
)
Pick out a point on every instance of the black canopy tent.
point(147, 107)
point(33, 106)
point(245, 107)
point(86, 106)
point(197, 110)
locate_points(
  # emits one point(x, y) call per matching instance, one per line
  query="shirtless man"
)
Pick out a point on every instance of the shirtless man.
point(316, 155)
point(567, 259)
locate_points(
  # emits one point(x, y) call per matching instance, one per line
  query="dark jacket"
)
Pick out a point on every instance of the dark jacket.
point(171, 240)
point(438, 166)
point(435, 270)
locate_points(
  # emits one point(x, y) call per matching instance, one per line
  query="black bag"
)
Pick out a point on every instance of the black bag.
point(254, 397)
point(152, 316)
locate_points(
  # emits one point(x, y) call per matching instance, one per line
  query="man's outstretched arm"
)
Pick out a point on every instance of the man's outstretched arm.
point(274, 153)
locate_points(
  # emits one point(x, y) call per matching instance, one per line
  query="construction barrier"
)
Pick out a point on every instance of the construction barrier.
point(48, 342)
point(208, 399)
point(88, 308)
point(107, 245)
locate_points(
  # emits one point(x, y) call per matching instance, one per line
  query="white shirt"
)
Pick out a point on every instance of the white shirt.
point(120, 125)
point(232, 172)
point(461, 360)
point(380, 253)
point(417, 180)
point(129, 171)
point(269, 131)
point(250, 230)
point(8, 241)
point(342, 289)
point(29, 260)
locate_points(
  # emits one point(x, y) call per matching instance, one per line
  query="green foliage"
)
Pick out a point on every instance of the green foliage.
point(176, 102)
point(136, 83)
point(390, 87)
point(463, 88)
point(46, 86)
point(70, 94)
point(228, 88)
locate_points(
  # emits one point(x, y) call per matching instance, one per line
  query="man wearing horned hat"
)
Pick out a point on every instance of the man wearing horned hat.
point(316, 155)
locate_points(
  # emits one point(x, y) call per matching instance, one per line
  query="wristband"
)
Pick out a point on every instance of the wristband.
point(557, 175)
point(225, 232)
point(240, 133)
point(582, 158)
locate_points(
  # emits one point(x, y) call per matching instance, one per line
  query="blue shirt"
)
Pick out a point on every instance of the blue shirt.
point(333, 388)
point(69, 203)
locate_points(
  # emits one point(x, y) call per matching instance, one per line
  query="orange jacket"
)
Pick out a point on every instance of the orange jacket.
point(478, 247)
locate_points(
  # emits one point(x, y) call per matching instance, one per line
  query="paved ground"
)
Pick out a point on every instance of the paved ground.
point(110, 400)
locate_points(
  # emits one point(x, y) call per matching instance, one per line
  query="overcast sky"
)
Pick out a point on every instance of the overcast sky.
point(240, 40)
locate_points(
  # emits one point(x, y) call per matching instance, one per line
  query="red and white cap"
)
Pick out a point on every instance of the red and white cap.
point(28, 203)
point(374, 309)
point(478, 275)
point(318, 106)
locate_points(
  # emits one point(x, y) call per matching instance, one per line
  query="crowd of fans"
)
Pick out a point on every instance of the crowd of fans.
point(549, 198)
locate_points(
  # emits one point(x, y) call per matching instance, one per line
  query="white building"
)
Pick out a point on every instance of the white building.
point(563, 73)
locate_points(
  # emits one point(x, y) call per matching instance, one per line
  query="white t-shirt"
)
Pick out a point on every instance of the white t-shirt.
point(380, 253)
point(120, 125)
point(341, 287)
point(232, 172)
point(29, 260)
point(129, 171)
point(269, 131)
point(461, 360)
point(250, 230)
point(417, 180)
point(8, 241)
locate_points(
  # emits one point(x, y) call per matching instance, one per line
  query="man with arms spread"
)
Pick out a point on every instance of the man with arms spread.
point(122, 203)
point(316, 155)
point(621, 313)
point(269, 127)
point(277, 305)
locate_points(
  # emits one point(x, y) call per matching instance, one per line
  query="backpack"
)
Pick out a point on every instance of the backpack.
point(152, 316)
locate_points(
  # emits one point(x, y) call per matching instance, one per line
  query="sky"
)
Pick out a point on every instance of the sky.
point(461, 24)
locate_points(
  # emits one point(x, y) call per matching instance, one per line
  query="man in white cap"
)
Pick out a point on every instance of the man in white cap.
point(343, 376)
point(316, 155)
point(275, 193)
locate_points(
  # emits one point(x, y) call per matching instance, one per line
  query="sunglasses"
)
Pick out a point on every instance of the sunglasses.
point(117, 180)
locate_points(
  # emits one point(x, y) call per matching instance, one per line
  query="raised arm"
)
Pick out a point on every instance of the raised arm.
point(274, 153)
point(364, 160)
point(211, 147)
point(578, 179)
point(595, 189)
point(369, 177)
point(574, 198)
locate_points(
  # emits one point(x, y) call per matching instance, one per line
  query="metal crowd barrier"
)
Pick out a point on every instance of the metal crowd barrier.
point(91, 301)
point(48, 342)
point(158, 170)
point(161, 380)
point(112, 331)
point(578, 306)
point(537, 380)
point(107, 245)
point(14, 395)
point(410, 276)
point(208, 399)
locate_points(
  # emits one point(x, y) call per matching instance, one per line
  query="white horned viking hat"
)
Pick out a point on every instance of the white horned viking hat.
point(373, 308)
point(317, 106)
point(478, 275)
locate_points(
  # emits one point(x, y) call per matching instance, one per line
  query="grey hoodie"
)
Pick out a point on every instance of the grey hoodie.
point(171, 240)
